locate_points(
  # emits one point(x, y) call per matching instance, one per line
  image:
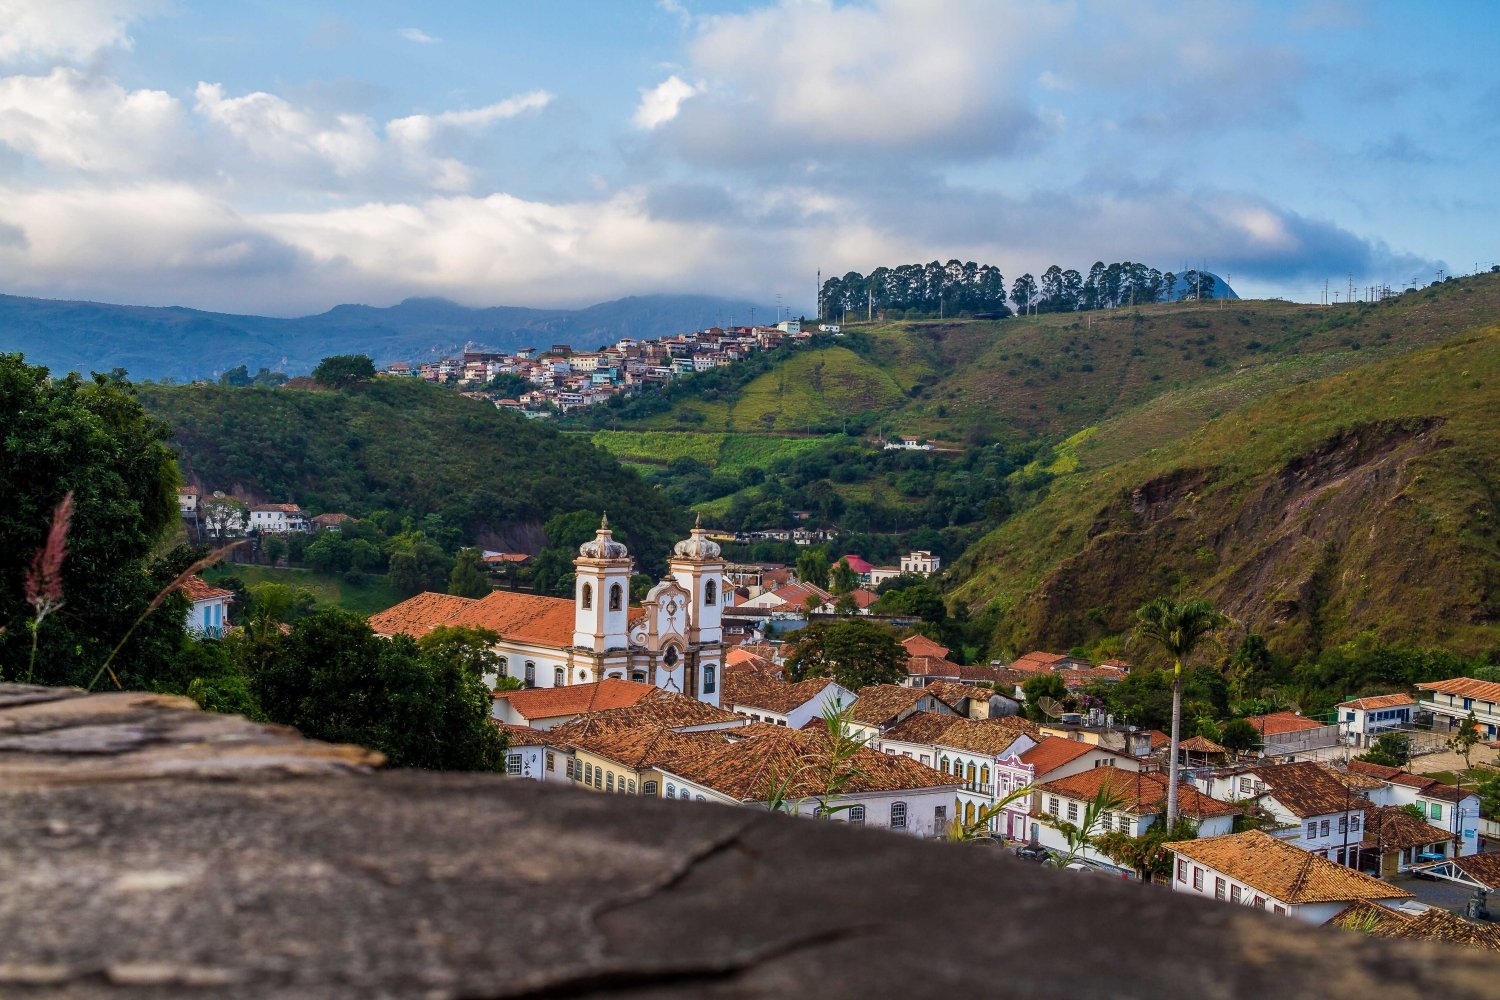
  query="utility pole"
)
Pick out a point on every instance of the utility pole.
point(1351, 287)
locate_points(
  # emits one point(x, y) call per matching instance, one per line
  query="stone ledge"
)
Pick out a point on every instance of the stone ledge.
point(134, 868)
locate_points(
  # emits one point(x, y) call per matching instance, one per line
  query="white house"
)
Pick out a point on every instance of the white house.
point(974, 752)
point(1451, 810)
point(187, 503)
point(1312, 809)
point(1364, 719)
point(209, 614)
point(1142, 798)
point(1050, 759)
point(278, 518)
point(907, 444)
point(765, 699)
point(922, 562)
point(1452, 700)
point(530, 755)
point(1259, 870)
point(878, 707)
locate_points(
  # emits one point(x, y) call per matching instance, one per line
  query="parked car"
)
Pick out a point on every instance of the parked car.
point(1033, 852)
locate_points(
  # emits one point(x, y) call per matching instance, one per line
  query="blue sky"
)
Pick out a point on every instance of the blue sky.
point(281, 157)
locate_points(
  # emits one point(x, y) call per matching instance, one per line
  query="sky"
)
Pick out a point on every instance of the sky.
point(280, 158)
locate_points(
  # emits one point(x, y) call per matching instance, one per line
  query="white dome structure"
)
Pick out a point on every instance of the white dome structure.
point(603, 544)
point(697, 547)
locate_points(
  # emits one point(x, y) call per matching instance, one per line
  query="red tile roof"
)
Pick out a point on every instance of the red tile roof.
point(744, 690)
point(1138, 791)
point(921, 727)
point(1379, 701)
point(575, 699)
point(920, 645)
point(1283, 871)
point(1308, 789)
point(858, 563)
point(1465, 687)
point(1037, 662)
point(988, 736)
point(796, 594)
point(879, 704)
point(195, 588)
point(1277, 723)
point(1052, 752)
point(526, 618)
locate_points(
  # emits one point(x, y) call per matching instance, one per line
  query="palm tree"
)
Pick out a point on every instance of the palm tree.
point(1178, 628)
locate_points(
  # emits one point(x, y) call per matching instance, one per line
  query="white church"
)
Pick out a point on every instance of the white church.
point(673, 639)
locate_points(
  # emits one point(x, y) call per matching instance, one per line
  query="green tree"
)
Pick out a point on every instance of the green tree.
point(854, 652)
point(1239, 736)
point(1389, 750)
point(1041, 686)
point(1178, 628)
point(274, 548)
point(1146, 854)
point(335, 680)
point(842, 578)
point(90, 438)
point(467, 579)
point(343, 370)
point(1464, 739)
point(417, 565)
point(812, 567)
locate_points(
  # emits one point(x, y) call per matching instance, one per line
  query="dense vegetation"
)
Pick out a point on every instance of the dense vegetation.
point(455, 469)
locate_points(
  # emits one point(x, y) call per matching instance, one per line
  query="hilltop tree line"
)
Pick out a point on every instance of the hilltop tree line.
point(960, 287)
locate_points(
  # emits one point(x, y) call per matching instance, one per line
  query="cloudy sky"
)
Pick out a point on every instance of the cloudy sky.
point(280, 157)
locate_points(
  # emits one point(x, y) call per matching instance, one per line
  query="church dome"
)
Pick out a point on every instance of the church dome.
point(698, 546)
point(603, 544)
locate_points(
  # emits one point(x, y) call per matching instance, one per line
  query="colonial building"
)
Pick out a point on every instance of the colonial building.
point(673, 640)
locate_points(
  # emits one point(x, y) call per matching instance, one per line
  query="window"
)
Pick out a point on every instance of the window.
point(1072, 812)
point(1197, 878)
point(639, 676)
point(1260, 902)
point(649, 788)
point(943, 764)
point(970, 775)
point(530, 674)
point(984, 776)
point(551, 761)
point(939, 816)
point(504, 668)
point(1124, 823)
point(1234, 894)
point(615, 597)
point(1435, 810)
point(1181, 870)
point(1052, 806)
point(670, 656)
point(588, 597)
point(700, 798)
point(710, 593)
point(1219, 888)
point(1108, 820)
point(1343, 824)
point(513, 763)
point(708, 680)
point(598, 777)
point(609, 782)
point(1354, 823)
point(588, 774)
point(1312, 829)
point(1279, 909)
point(1245, 786)
point(558, 680)
point(1324, 828)
point(631, 789)
point(671, 790)
point(898, 815)
point(570, 767)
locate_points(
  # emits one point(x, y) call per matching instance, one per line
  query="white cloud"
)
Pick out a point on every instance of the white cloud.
point(418, 36)
point(70, 119)
point(275, 133)
point(677, 10)
point(66, 29)
point(421, 128)
point(661, 103)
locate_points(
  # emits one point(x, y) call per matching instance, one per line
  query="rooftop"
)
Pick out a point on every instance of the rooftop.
point(1465, 687)
point(921, 727)
point(988, 736)
point(575, 699)
point(1307, 789)
point(748, 690)
point(879, 704)
point(1283, 871)
point(1433, 924)
point(1138, 791)
point(1379, 701)
point(1391, 828)
point(195, 588)
point(1052, 752)
point(526, 618)
point(920, 645)
point(1277, 723)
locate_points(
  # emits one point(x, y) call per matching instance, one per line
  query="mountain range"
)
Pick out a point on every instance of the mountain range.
point(175, 343)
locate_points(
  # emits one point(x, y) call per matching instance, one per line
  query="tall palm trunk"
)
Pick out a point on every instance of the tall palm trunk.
point(1172, 765)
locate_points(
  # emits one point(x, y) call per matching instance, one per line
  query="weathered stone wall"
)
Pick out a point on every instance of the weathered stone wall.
point(150, 849)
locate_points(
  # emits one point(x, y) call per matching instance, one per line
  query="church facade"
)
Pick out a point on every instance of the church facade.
point(673, 639)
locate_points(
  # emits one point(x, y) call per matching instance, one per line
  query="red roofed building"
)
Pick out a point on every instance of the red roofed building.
point(1452, 700)
point(673, 640)
point(543, 708)
point(1051, 759)
point(209, 613)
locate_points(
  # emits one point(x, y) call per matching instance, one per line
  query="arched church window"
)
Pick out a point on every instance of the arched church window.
point(616, 597)
point(609, 782)
point(649, 788)
point(504, 667)
point(671, 790)
point(670, 657)
point(708, 680)
point(639, 676)
point(588, 596)
point(710, 593)
point(558, 680)
point(530, 674)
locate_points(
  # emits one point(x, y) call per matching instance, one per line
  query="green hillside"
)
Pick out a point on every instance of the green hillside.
point(1362, 502)
point(410, 448)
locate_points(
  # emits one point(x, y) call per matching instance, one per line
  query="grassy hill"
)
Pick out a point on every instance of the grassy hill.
point(1364, 501)
point(407, 447)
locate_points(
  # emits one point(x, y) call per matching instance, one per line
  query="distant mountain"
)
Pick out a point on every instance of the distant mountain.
point(182, 344)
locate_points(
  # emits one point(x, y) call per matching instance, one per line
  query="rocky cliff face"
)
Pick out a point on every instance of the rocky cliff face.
point(149, 849)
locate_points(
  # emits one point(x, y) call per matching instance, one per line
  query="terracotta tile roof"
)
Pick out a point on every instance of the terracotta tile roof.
point(1465, 687)
point(1379, 701)
point(524, 736)
point(285, 508)
point(1426, 786)
point(796, 594)
point(195, 588)
point(1281, 722)
point(879, 704)
point(1391, 828)
point(920, 645)
point(1358, 782)
point(953, 692)
point(746, 657)
point(988, 736)
point(1052, 752)
point(749, 691)
point(1374, 770)
point(1282, 870)
point(325, 520)
point(575, 699)
point(1037, 662)
point(1484, 867)
point(527, 618)
point(1433, 924)
point(921, 727)
point(1077, 678)
point(634, 747)
point(1198, 744)
point(858, 563)
point(1159, 739)
point(670, 709)
point(1009, 679)
point(416, 616)
point(746, 769)
point(862, 598)
point(930, 666)
point(750, 730)
point(1307, 789)
point(1139, 791)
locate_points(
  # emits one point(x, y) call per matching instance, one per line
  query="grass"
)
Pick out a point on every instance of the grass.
point(721, 452)
point(366, 599)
